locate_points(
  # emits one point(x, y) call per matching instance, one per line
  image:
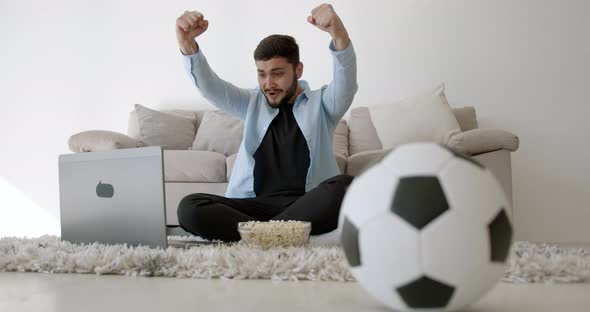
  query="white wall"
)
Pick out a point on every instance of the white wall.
point(68, 66)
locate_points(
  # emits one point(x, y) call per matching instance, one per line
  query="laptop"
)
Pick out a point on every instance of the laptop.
point(116, 197)
point(113, 197)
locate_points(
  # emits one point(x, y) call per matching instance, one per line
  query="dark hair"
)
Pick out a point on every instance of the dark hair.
point(278, 46)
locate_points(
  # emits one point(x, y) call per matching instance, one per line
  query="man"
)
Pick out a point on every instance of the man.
point(285, 168)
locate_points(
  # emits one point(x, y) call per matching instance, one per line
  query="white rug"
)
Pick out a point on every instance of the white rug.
point(48, 254)
point(528, 263)
point(547, 263)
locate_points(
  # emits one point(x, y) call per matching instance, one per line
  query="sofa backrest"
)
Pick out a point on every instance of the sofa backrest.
point(340, 143)
point(466, 117)
point(363, 135)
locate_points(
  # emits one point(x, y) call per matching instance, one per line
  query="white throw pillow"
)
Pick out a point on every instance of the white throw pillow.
point(425, 117)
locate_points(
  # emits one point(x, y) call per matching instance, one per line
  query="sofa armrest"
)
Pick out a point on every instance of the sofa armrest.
point(100, 140)
point(482, 140)
point(360, 162)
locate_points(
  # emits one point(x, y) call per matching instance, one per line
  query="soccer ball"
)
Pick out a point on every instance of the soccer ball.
point(426, 228)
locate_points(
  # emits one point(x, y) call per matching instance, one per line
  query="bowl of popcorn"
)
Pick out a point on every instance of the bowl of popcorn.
point(275, 233)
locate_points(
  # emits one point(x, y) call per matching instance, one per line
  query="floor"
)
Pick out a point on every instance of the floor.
point(83, 292)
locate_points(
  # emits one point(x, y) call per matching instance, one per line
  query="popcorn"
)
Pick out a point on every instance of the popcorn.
point(275, 233)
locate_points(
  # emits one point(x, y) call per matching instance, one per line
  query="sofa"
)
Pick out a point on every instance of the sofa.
point(200, 147)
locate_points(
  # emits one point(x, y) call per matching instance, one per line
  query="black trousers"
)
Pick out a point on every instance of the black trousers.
point(216, 217)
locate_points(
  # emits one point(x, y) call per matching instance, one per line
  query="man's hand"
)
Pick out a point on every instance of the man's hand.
point(325, 18)
point(188, 27)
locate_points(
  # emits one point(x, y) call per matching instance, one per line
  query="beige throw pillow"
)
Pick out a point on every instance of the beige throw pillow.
point(100, 140)
point(170, 131)
point(219, 132)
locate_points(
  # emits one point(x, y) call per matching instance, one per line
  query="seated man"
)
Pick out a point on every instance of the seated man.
point(285, 168)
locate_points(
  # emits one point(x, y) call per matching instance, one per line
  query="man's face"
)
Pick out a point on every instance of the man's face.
point(278, 79)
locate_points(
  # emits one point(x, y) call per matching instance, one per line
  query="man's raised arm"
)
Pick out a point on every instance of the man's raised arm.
point(219, 92)
point(338, 96)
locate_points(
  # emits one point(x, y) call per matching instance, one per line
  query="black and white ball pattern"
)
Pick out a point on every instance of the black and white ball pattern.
point(426, 228)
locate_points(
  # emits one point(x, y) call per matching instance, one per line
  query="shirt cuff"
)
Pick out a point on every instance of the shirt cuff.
point(190, 55)
point(191, 59)
point(333, 49)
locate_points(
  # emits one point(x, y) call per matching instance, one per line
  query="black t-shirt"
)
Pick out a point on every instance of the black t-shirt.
point(282, 159)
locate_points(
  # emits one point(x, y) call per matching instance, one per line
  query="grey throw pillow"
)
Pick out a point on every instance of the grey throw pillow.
point(219, 132)
point(169, 131)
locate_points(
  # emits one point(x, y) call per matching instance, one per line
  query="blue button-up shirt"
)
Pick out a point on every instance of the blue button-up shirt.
point(317, 113)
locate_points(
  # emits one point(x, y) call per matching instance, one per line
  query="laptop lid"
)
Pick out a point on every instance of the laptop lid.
point(113, 197)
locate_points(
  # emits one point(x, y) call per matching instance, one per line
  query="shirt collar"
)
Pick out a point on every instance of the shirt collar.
point(306, 90)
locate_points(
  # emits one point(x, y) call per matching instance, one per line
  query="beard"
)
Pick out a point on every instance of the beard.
point(288, 95)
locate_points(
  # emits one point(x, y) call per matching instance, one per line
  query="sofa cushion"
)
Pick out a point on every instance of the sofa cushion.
point(360, 162)
point(100, 140)
point(425, 117)
point(219, 132)
point(170, 131)
point(194, 166)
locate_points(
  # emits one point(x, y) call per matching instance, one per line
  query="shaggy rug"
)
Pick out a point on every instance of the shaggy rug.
point(528, 262)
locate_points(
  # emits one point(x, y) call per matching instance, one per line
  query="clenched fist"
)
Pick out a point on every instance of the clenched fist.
point(188, 27)
point(325, 18)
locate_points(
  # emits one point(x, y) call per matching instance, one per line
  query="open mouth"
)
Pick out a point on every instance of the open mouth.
point(273, 93)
